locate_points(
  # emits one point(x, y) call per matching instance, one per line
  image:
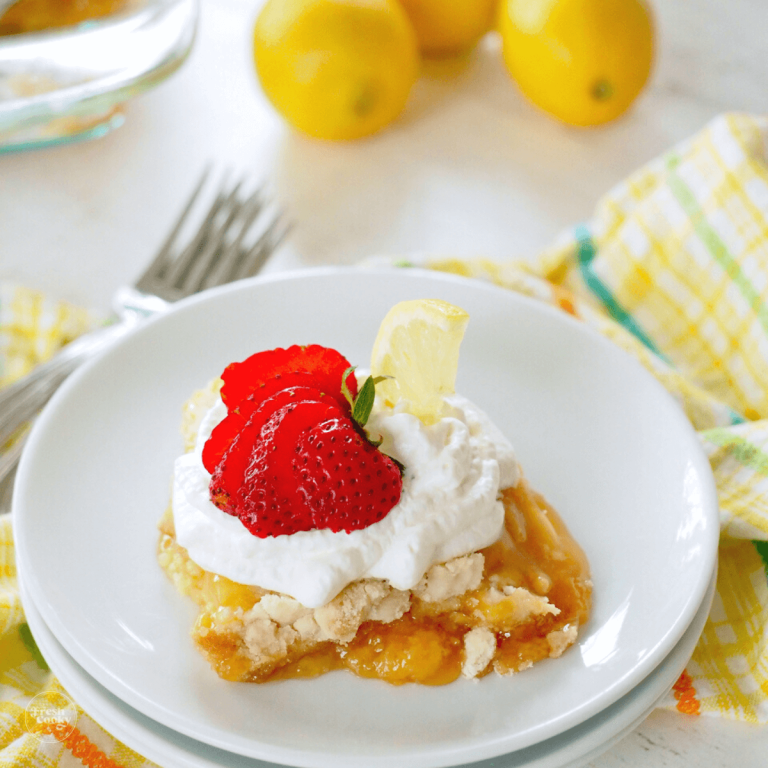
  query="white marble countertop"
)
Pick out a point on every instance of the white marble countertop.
point(470, 169)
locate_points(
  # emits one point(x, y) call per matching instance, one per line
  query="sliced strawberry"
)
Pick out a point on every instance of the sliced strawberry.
point(326, 365)
point(229, 468)
point(346, 481)
point(268, 502)
point(227, 430)
point(288, 456)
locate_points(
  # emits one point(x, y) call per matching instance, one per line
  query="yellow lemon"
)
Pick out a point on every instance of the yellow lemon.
point(418, 347)
point(336, 69)
point(583, 61)
point(446, 27)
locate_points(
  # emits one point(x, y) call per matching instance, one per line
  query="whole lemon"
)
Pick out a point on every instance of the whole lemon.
point(336, 69)
point(583, 61)
point(447, 27)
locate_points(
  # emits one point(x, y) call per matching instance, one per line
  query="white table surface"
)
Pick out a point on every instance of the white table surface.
point(469, 169)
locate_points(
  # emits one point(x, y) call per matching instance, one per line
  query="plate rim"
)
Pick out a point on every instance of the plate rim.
point(491, 747)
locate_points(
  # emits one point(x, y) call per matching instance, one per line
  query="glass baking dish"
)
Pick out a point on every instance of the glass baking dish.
point(67, 84)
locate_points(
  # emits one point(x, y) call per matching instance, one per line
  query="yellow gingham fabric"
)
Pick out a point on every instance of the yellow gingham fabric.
point(31, 329)
point(674, 269)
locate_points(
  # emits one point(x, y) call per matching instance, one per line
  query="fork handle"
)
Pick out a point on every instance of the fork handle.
point(22, 400)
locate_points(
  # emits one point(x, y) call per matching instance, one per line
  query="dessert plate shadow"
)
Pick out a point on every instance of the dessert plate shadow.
point(594, 432)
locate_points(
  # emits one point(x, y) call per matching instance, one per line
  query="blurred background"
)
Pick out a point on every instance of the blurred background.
point(469, 168)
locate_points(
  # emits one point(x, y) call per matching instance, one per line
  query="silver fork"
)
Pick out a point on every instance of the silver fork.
point(236, 237)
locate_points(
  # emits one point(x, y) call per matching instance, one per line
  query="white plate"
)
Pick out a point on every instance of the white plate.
point(170, 749)
point(594, 432)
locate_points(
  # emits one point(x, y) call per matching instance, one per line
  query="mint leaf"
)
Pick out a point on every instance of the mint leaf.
point(364, 402)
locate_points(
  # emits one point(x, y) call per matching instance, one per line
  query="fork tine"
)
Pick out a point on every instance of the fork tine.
point(216, 253)
point(230, 257)
point(205, 260)
point(264, 247)
point(158, 264)
point(209, 256)
point(180, 266)
point(251, 208)
point(185, 273)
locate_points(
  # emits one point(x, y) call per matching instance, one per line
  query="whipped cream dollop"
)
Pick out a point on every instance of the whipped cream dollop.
point(449, 506)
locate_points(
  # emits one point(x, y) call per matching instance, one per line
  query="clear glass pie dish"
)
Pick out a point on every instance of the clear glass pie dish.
point(66, 84)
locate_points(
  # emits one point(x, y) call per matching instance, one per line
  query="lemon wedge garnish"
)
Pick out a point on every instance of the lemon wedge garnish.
point(418, 346)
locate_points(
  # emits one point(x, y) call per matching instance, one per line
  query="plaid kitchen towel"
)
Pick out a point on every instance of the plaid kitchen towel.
point(40, 725)
point(674, 269)
point(32, 328)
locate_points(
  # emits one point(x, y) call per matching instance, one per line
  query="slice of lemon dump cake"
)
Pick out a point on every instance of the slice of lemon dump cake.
point(324, 520)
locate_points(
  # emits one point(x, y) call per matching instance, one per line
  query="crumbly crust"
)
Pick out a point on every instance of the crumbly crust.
point(278, 627)
point(479, 649)
point(264, 631)
point(444, 581)
point(501, 616)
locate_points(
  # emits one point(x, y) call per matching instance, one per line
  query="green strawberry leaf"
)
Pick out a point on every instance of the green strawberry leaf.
point(361, 410)
point(362, 405)
point(364, 402)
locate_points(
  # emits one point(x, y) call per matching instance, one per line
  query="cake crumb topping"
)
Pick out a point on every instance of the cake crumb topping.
point(479, 649)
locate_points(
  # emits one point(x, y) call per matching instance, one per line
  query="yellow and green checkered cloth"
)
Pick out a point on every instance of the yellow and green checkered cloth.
point(674, 269)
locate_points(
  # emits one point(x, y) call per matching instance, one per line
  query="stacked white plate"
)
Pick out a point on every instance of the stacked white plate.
point(593, 431)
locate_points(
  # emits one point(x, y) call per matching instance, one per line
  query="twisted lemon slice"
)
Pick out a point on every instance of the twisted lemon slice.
point(418, 346)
